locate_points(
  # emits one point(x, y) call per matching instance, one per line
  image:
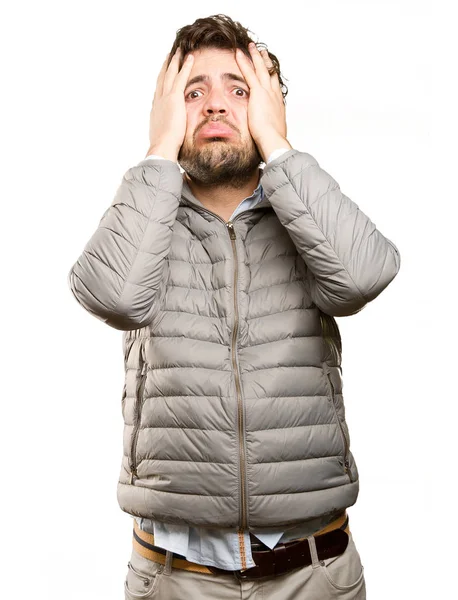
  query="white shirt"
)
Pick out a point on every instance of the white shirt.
point(215, 546)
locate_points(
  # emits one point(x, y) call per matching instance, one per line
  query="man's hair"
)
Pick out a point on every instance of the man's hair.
point(220, 31)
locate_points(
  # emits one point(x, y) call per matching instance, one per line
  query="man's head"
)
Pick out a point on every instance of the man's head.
point(226, 157)
point(217, 94)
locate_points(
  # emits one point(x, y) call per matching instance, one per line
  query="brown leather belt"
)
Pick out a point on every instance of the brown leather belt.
point(292, 555)
point(330, 541)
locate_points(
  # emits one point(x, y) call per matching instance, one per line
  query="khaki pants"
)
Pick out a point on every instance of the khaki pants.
point(338, 577)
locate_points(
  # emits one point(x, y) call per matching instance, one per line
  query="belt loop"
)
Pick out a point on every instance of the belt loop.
point(168, 562)
point(313, 552)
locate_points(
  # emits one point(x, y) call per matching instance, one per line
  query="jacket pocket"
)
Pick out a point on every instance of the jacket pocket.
point(141, 382)
point(123, 398)
point(339, 423)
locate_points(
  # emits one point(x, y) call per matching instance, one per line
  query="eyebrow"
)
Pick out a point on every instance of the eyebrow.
point(224, 76)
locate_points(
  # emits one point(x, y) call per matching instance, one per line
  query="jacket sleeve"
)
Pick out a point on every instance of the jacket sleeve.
point(349, 262)
point(119, 276)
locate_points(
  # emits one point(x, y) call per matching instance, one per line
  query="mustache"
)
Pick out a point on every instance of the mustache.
point(215, 120)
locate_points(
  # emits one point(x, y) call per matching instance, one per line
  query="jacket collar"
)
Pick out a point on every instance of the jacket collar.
point(188, 198)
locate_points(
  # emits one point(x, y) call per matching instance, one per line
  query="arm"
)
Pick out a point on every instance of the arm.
point(119, 275)
point(349, 261)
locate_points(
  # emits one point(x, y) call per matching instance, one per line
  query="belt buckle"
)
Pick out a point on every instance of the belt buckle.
point(239, 574)
point(279, 566)
point(242, 574)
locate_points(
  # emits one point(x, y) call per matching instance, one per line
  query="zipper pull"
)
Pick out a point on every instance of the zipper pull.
point(230, 226)
point(144, 368)
point(132, 475)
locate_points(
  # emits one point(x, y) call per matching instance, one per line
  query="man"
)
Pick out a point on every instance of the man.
point(226, 280)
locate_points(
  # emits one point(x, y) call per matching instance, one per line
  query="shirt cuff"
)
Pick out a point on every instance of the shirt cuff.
point(276, 153)
point(155, 156)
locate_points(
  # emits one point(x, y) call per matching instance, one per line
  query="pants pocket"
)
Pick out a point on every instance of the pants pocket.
point(142, 577)
point(345, 572)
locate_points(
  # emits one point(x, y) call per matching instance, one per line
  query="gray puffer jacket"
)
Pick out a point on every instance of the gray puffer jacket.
point(233, 407)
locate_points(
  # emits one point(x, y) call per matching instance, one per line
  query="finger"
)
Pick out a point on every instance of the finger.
point(182, 78)
point(274, 80)
point(160, 77)
point(247, 68)
point(172, 72)
point(260, 66)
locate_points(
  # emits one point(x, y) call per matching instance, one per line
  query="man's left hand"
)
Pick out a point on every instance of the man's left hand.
point(266, 109)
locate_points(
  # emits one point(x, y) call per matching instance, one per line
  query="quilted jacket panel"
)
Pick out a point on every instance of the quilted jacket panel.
point(233, 396)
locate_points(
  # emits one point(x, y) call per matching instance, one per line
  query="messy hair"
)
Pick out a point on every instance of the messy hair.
point(220, 31)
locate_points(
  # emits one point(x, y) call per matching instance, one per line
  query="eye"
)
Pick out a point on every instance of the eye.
point(196, 91)
point(193, 92)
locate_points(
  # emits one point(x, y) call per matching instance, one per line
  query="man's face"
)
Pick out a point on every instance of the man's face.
point(211, 157)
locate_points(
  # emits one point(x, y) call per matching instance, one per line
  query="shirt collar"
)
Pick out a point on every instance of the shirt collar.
point(256, 197)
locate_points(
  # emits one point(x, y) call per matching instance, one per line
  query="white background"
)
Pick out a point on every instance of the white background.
point(370, 97)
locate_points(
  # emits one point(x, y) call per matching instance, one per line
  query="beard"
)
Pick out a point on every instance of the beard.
point(219, 161)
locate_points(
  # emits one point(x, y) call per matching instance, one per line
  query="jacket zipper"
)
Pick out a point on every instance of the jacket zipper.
point(243, 509)
point(243, 516)
point(243, 512)
point(232, 235)
point(344, 437)
point(138, 413)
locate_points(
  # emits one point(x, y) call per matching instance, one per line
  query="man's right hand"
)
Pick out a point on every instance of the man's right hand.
point(168, 117)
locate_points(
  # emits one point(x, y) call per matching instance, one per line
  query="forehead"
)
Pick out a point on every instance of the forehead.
point(213, 62)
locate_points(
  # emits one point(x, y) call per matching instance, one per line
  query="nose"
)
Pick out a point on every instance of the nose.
point(215, 103)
